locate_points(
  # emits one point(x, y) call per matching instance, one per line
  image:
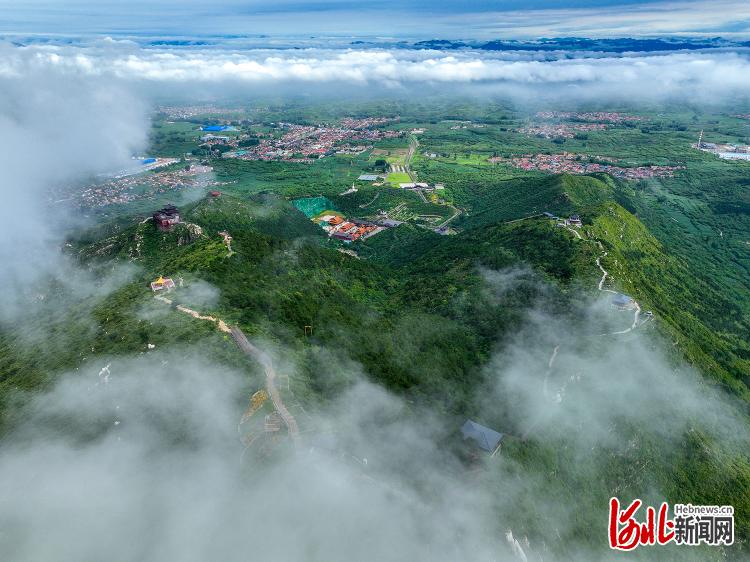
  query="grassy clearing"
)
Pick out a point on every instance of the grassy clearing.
point(395, 178)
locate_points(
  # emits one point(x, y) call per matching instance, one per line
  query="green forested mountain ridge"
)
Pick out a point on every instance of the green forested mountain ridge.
point(283, 277)
point(422, 314)
point(311, 290)
point(685, 305)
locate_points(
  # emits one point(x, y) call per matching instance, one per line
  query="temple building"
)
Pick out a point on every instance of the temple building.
point(167, 217)
point(162, 283)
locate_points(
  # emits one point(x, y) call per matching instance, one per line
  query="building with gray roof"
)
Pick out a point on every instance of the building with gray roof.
point(484, 437)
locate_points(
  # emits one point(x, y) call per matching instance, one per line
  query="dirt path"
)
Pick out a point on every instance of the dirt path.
point(523, 218)
point(550, 364)
point(259, 355)
point(218, 321)
point(371, 202)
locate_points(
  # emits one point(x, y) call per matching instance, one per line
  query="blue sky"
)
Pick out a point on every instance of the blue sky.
point(400, 19)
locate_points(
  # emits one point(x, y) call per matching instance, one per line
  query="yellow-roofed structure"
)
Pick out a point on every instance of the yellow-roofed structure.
point(162, 283)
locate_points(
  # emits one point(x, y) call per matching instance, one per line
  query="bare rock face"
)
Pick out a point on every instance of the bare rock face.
point(190, 234)
point(195, 230)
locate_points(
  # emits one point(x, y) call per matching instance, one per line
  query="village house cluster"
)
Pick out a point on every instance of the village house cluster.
point(560, 131)
point(591, 116)
point(352, 149)
point(190, 111)
point(467, 125)
point(347, 230)
point(145, 186)
point(306, 143)
point(367, 122)
point(581, 164)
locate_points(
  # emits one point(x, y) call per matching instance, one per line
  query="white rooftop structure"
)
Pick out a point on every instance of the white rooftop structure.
point(734, 155)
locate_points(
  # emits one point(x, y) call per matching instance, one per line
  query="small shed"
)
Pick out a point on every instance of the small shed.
point(485, 438)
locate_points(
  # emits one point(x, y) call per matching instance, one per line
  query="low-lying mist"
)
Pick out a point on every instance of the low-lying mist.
point(143, 460)
point(139, 458)
point(58, 127)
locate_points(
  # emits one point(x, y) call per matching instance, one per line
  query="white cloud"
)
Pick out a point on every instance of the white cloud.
point(58, 127)
point(716, 76)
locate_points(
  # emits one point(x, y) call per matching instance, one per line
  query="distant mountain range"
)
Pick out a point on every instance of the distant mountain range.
point(549, 45)
point(616, 45)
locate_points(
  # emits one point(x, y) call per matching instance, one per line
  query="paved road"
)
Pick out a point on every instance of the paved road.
point(413, 143)
point(456, 212)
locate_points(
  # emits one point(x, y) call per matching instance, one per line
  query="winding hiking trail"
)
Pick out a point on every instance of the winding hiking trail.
point(218, 321)
point(637, 314)
point(265, 360)
point(605, 274)
point(634, 325)
point(256, 353)
point(558, 396)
